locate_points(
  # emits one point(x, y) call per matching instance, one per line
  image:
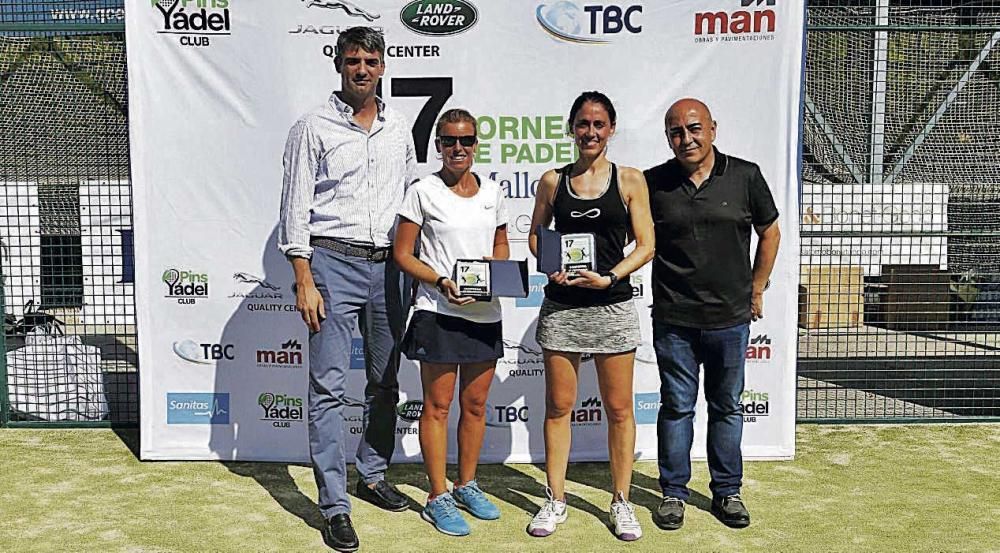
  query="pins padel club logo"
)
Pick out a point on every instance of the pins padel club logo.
point(280, 410)
point(195, 21)
point(755, 405)
point(187, 287)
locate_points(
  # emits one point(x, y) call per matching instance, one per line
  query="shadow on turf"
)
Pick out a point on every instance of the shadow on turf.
point(129, 436)
point(278, 482)
point(646, 493)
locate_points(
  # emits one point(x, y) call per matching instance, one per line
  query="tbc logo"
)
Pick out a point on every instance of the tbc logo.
point(439, 17)
point(536, 291)
point(593, 24)
point(186, 287)
point(279, 409)
point(197, 408)
point(504, 415)
point(290, 355)
point(647, 405)
point(349, 8)
point(759, 349)
point(737, 22)
point(203, 354)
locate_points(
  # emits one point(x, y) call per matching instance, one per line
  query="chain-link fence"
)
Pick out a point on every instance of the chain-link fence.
point(899, 304)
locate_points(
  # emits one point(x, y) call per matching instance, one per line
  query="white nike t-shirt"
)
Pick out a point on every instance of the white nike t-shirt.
point(453, 227)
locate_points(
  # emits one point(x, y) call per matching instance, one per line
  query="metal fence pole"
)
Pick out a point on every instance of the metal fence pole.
point(4, 399)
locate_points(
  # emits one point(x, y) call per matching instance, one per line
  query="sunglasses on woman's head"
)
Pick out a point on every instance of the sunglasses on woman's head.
point(449, 141)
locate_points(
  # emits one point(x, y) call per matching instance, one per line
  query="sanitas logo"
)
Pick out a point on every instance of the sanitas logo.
point(197, 408)
point(759, 349)
point(754, 404)
point(647, 406)
point(357, 354)
point(588, 414)
point(754, 24)
point(594, 23)
point(199, 19)
point(439, 17)
point(279, 409)
point(536, 292)
point(203, 354)
point(289, 356)
point(186, 287)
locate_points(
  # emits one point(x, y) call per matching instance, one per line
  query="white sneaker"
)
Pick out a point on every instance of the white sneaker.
point(552, 512)
point(626, 524)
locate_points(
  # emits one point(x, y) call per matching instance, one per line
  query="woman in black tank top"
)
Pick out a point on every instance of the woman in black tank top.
point(592, 312)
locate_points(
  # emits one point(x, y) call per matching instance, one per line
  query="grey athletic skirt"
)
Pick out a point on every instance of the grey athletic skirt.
point(592, 329)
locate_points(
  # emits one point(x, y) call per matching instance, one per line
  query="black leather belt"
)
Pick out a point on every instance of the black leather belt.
point(371, 253)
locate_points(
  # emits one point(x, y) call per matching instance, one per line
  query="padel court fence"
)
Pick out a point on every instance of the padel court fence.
point(899, 302)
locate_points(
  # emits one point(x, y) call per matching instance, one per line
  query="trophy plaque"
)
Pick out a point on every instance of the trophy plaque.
point(473, 278)
point(578, 253)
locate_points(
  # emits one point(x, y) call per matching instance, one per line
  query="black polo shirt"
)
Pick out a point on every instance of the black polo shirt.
point(701, 271)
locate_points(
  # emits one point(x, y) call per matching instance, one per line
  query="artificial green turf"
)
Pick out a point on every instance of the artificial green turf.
point(851, 488)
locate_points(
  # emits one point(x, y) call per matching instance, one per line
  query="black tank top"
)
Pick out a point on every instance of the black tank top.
point(606, 217)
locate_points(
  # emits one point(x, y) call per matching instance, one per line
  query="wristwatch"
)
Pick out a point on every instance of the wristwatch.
point(612, 276)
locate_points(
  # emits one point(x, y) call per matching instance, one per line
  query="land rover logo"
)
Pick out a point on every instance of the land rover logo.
point(439, 17)
point(410, 410)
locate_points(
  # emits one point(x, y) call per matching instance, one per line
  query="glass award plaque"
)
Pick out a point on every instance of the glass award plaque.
point(473, 278)
point(578, 253)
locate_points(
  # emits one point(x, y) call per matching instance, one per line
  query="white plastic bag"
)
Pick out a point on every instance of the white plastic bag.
point(56, 378)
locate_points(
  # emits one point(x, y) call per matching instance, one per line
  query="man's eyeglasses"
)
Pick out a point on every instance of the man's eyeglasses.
point(449, 141)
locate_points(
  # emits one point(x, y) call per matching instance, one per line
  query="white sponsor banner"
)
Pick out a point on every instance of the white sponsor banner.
point(214, 88)
point(21, 240)
point(106, 249)
point(908, 209)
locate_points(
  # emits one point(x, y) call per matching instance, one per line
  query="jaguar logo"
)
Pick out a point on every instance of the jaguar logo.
point(350, 8)
point(247, 278)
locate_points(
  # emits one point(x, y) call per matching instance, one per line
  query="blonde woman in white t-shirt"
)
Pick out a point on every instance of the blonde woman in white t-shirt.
point(455, 214)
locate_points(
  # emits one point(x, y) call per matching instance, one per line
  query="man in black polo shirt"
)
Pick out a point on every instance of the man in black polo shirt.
point(705, 293)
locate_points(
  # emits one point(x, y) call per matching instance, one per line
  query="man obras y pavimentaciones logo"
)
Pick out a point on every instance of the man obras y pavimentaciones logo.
point(439, 17)
point(195, 20)
point(187, 287)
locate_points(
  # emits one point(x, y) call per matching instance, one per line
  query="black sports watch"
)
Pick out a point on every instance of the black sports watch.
point(612, 276)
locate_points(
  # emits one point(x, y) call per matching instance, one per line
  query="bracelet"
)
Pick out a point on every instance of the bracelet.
point(437, 283)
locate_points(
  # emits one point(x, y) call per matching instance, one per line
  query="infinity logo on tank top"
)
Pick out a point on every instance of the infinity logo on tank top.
point(592, 213)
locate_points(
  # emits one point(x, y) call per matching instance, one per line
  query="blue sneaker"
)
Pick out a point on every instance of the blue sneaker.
point(475, 501)
point(443, 513)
